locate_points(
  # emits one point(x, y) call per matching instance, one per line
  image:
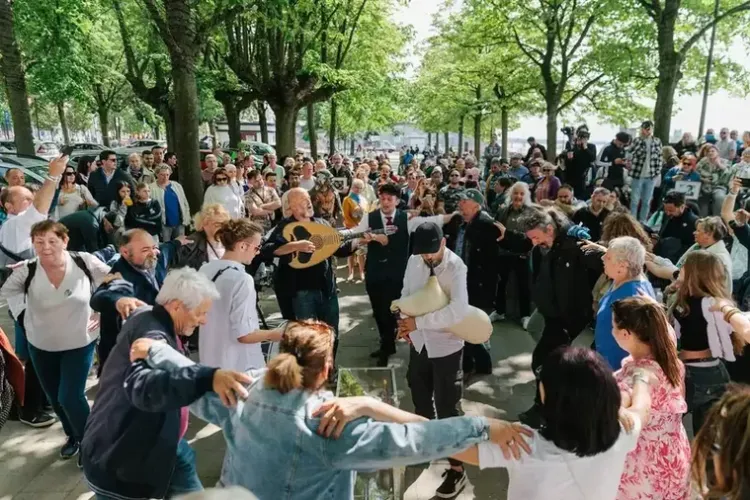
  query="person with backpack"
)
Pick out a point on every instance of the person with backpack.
point(231, 337)
point(57, 286)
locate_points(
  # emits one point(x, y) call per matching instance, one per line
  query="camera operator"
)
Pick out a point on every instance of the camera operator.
point(612, 163)
point(578, 159)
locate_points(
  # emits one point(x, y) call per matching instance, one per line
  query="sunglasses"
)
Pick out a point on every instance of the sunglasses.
point(687, 163)
point(221, 179)
point(70, 173)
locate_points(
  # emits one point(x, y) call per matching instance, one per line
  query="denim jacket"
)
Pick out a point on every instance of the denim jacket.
point(274, 451)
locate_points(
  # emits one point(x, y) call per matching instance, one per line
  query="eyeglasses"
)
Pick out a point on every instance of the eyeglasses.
point(70, 173)
point(221, 179)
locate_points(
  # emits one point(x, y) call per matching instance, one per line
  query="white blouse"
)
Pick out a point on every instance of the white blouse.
point(226, 197)
point(67, 203)
point(57, 319)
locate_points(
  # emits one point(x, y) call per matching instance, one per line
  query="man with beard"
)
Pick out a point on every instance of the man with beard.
point(326, 202)
point(135, 280)
point(593, 216)
point(563, 277)
point(450, 195)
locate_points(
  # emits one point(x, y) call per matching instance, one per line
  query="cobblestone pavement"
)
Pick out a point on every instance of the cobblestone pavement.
point(30, 468)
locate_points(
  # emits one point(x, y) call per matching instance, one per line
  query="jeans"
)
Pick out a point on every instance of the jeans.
point(314, 304)
point(170, 233)
point(704, 385)
point(63, 377)
point(381, 294)
point(710, 203)
point(184, 477)
point(436, 385)
point(641, 192)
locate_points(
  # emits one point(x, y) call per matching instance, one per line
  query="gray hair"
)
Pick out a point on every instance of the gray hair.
point(526, 192)
point(600, 190)
point(541, 217)
point(187, 286)
point(630, 251)
point(358, 182)
point(163, 167)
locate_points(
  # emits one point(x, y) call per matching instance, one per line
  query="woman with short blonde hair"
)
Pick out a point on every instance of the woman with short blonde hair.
point(206, 246)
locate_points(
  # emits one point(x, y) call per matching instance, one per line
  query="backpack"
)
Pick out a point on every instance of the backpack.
point(76, 258)
point(221, 271)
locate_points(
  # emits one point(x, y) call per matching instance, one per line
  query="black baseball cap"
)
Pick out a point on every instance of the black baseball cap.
point(647, 124)
point(426, 238)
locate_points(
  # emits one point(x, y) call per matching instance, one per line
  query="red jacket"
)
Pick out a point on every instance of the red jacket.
point(14, 367)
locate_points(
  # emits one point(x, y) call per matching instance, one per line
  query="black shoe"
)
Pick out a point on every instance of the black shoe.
point(69, 449)
point(532, 417)
point(39, 420)
point(453, 484)
point(375, 354)
point(79, 462)
point(382, 360)
point(381, 352)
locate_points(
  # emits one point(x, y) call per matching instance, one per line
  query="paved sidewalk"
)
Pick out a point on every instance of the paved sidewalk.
point(30, 468)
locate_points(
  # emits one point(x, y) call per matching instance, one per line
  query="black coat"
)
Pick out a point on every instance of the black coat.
point(563, 279)
point(146, 216)
point(104, 192)
point(130, 444)
point(480, 254)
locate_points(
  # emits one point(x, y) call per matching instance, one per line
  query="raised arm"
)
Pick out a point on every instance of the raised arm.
point(43, 197)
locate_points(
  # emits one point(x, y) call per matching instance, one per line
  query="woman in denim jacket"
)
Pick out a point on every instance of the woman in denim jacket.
point(277, 439)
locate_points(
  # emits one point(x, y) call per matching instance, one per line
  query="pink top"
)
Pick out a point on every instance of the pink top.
point(659, 467)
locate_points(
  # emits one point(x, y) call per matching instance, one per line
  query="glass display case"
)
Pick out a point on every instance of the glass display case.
point(379, 383)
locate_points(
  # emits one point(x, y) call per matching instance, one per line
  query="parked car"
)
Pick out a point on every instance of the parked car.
point(88, 146)
point(34, 174)
point(139, 146)
point(9, 145)
point(47, 149)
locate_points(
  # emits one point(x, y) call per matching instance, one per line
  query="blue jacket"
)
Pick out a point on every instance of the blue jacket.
point(133, 284)
point(130, 441)
point(273, 448)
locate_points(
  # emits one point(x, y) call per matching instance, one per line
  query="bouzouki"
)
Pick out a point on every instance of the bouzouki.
point(325, 238)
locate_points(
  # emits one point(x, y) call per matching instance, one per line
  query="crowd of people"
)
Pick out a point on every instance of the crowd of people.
point(107, 266)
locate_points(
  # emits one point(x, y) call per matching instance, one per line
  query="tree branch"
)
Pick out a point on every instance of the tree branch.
point(745, 6)
point(528, 51)
point(579, 92)
point(161, 26)
point(584, 33)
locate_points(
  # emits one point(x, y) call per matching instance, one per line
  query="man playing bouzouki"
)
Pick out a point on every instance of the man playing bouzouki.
point(386, 262)
point(308, 293)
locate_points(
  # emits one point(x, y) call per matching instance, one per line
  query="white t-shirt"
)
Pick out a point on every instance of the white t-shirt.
point(307, 184)
point(57, 319)
point(225, 196)
point(549, 472)
point(68, 203)
point(15, 233)
point(232, 316)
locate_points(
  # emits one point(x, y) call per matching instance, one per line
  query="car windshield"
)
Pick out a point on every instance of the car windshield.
point(25, 161)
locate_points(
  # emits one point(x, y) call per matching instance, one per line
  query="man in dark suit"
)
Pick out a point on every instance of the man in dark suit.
point(135, 280)
point(103, 181)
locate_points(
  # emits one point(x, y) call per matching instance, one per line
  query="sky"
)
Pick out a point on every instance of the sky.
point(723, 109)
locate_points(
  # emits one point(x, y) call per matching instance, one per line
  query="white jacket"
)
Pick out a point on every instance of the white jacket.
point(158, 194)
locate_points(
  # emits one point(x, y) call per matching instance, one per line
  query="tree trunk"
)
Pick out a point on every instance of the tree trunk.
point(263, 122)
point(504, 130)
point(551, 129)
point(104, 124)
point(461, 135)
point(233, 121)
point(477, 133)
point(285, 129)
point(168, 115)
point(186, 131)
point(215, 136)
point(36, 123)
point(429, 139)
point(63, 122)
point(332, 130)
point(156, 130)
point(118, 128)
point(351, 147)
point(446, 136)
point(14, 77)
point(312, 131)
point(669, 77)
point(478, 123)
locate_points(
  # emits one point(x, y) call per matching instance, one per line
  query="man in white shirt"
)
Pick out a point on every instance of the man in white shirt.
point(24, 210)
point(307, 181)
point(386, 262)
point(435, 372)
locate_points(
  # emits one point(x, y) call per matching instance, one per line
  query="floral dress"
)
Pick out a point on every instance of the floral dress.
point(659, 467)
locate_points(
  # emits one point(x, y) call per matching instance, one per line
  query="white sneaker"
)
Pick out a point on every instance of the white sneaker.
point(495, 317)
point(525, 322)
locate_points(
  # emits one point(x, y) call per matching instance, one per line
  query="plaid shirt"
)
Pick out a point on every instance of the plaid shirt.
point(637, 153)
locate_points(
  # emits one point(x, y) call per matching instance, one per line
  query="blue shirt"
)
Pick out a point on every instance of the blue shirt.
point(171, 207)
point(606, 345)
point(518, 172)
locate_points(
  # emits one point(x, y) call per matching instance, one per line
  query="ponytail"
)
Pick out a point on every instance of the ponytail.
point(646, 319)
point(283, 374)
point(306, 347)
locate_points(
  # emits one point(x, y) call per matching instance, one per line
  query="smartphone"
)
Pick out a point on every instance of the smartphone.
point(745, 183)
point(66, 151)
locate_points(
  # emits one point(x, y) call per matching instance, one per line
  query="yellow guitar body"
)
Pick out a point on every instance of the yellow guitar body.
point(325, 238)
